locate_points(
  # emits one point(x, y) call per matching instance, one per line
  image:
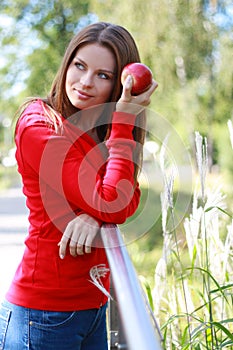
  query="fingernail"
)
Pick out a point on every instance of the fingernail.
point(62, 256)
point(129, 79)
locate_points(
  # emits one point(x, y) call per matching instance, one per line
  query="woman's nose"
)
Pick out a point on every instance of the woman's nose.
point(87, 79)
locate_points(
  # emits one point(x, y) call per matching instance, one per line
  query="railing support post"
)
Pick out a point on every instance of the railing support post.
point(117, 337)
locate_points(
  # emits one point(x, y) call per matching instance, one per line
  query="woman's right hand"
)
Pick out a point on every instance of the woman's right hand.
point(79, 236)
point(134, 104)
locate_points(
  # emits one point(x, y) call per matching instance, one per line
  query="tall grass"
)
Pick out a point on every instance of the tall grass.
point(193, 281)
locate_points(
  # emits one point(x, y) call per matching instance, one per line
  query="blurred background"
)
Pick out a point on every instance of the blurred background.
point(187, 44)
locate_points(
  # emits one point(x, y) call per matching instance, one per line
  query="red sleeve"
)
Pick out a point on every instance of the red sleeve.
point(102, 188)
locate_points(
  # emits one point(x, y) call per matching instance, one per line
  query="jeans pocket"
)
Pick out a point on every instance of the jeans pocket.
point(51, 330)
point(46, 319)
point(5, 314)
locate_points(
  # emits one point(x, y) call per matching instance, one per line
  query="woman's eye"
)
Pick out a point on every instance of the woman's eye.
point(79, 65)
point(104, 76)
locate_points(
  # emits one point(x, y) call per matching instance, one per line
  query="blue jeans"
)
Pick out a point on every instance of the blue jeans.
point(29, 329)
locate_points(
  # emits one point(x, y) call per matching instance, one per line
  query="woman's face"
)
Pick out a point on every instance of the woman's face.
point(90, 77)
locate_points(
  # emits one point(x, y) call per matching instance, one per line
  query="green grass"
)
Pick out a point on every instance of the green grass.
point(192, 291)
point(145, 247)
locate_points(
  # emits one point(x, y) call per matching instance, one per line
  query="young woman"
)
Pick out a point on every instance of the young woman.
point(78, 153)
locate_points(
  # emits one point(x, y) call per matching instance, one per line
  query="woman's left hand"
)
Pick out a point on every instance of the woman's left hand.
point(80, 233)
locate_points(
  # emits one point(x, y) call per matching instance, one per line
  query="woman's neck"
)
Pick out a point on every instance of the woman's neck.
point(87, 120)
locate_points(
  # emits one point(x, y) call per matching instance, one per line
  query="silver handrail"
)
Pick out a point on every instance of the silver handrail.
point(138, 329)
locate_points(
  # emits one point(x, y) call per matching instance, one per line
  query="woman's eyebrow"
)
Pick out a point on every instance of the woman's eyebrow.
point(100, 69)
point(78, 58)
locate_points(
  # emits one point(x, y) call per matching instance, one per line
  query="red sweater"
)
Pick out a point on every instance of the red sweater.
point(63, 176)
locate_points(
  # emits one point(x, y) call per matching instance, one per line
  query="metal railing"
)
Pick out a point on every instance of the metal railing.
point(138, 326)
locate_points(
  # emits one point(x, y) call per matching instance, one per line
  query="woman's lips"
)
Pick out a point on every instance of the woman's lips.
point(83, 95)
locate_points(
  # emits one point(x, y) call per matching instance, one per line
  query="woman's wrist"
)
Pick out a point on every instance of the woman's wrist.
point(131, 108)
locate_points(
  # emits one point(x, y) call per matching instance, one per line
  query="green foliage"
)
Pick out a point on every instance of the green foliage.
point(182, 41)
point(223, 158)
point(9, 177)
point(34, 41)
point(192, 293)
point(190, 55)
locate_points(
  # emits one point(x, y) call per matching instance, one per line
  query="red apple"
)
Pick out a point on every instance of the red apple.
point(141, 74)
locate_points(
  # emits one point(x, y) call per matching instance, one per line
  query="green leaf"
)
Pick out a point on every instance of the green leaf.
point(222, 210)
point(224, 329)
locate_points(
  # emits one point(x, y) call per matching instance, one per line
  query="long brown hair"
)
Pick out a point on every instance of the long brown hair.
point(124, 49)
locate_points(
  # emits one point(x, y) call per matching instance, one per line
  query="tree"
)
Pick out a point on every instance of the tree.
point(188, 46)
point(34, 41)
